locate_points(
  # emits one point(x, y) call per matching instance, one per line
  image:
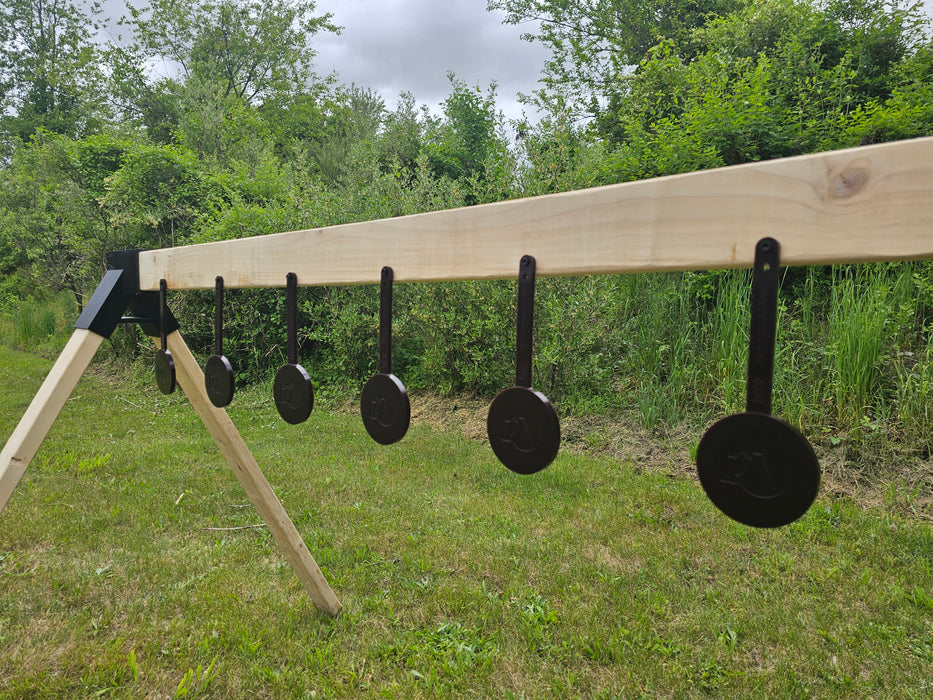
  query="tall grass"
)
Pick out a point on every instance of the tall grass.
point(852, 359)
point(915, 398)
point(726, 359)
point(38, 324)
point(802, 371)
point(34, 323)
point(856, 339)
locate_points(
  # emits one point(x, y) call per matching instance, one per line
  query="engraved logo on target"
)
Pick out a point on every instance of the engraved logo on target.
point(380, 412)
point(287, 396)
point(517, 433)
point(753, 473)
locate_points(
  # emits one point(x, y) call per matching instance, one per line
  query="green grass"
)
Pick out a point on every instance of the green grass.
point(592, 579)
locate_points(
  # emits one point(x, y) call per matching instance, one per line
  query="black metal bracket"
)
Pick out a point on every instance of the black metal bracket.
point(524, 336)
point(118, 292)
point(763, 326)
point(291, 313)
point(385, 320)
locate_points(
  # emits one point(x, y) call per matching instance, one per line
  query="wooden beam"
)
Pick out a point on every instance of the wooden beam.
point(858, 205)
point(247, 471)
point(44, 409)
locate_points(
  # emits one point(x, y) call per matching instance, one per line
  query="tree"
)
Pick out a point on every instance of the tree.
point(65, 203)
point(594, 42)
point(347, 135)
point(460, 143)
point(253, 49)
point(50, 209)
point(218, 127)
point(777, 78)
point(159, 194)
point(401, 138)
point(49, 71)
point(326, 128)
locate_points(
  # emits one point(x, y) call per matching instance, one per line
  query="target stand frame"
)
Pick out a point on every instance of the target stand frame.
point(867, 204)
point(117, 292)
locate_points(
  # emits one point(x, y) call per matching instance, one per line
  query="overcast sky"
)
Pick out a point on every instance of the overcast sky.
point(410, 45)
point(393, 46)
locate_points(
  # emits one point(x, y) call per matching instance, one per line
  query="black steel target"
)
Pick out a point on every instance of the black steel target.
point(218, 372)
point(755, 467)
point(522, 425)
point(163, 364)
point(292, 388)
point(384, 404)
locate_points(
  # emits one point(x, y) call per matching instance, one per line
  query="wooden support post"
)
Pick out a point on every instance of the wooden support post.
point(44, 409)
point(247, 471)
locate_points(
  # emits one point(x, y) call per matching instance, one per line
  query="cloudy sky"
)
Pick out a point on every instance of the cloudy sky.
point(393, 46)
point(411, 45)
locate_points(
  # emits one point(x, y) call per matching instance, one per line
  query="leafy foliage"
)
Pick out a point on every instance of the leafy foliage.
point(593, 44)
point(49, 77)
point(253, 50)
point(774, 79)
point(245, 140)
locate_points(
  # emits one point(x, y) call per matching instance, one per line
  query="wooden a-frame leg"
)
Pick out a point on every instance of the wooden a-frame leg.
point(260, 493)
point(44, 409)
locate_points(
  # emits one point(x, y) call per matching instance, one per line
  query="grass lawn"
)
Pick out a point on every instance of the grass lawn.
point(121, 573)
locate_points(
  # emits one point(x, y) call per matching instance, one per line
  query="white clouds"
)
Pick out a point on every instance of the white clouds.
point(393, 46)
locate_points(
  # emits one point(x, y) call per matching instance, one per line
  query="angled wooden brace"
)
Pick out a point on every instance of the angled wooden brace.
point(118, 291)
point(247, 471)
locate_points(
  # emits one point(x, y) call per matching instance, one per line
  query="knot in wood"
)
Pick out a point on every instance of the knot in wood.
point(848, 182)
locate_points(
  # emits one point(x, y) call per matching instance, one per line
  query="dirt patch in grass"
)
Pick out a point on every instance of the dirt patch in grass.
point(464, 414)
point(903, 481)
point(667, 450)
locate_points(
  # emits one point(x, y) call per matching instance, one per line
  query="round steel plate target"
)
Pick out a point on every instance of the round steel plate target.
point(218, 380)
point(164, 367)
point(523, 429)
point(755, 467)
point(758, 469)
point(292, 389)
point(522, 425)
point(385, 408)
point(293, 393)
